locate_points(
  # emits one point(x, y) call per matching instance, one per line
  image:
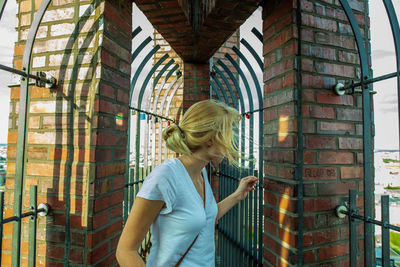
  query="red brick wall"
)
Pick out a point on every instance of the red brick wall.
point(196, 83)
point(76, 140)
point(330, 131)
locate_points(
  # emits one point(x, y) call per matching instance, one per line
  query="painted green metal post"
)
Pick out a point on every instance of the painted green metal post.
point(32, 225)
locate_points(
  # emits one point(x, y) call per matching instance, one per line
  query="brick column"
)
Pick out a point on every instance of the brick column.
point(196, 83)
point(322, 157)
point(77, 133)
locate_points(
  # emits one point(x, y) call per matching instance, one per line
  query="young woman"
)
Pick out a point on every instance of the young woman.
point(176, 201)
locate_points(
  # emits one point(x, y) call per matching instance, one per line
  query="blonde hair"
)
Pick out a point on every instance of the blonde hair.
point(206, 120)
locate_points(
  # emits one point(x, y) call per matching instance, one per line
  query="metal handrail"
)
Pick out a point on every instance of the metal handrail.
point(43, 209)
point(343, 209)
point(40, 78)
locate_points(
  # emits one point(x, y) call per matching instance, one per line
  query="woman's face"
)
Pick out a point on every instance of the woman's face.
point(215, 153)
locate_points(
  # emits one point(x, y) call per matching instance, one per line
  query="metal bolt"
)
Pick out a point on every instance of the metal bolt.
point(339, 211)
point(339, 89)
point(45, 208)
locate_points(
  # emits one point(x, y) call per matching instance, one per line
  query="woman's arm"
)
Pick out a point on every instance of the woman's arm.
point(246, 185)
point(142, 215)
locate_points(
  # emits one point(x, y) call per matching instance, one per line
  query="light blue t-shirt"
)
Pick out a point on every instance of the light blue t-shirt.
point(183, 218)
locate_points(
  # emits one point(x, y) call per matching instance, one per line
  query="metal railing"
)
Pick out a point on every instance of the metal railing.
point(240, 231)
point(132, 188)
point(34, 210)
point(350, 210)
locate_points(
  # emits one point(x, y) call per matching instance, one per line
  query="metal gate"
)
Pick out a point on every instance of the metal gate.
point(364, 87)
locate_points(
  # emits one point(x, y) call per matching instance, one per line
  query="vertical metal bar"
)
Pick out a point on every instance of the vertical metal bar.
point(250, 98)
point(367, 138)
point(140, 100)
point(247, 224)
point(353, 228)
point(32, 225)
point(223, 221)
point(236, 225)
point(22, 128)
point(242, 221)
point(233, 221)
point(385, 231)
point(300, 140)
point(255, 218)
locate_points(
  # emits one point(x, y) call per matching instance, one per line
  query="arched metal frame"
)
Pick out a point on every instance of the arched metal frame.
point(367, 218)
point(231, 226)
point(144, 96)
point(21, 146)
point(365, 81)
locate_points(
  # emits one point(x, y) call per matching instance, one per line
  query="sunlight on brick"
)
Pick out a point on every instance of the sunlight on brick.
point(283, 128)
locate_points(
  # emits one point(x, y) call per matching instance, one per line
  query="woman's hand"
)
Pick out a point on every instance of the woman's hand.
point(246, 185)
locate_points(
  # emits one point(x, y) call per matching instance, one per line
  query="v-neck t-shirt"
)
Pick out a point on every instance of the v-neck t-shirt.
point(182, 219)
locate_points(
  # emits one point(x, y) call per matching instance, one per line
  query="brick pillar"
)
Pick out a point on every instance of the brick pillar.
point(77, 133)
point(298, 89)
point(196, 83)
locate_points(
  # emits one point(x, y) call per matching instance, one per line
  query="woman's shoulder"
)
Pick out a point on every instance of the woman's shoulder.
point(169, 170)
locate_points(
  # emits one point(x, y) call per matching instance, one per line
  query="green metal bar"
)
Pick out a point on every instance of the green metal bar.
point(257, 34)
point(155, 103)
point(136, 31)
point(2, 7)
point(216, 91)
point(134, 183)
point(149, 98)
point(22, 132)
point(235, 82)
point(372, 80)
point(234, 99)
point(250, 98)
point(231, 218)
point(385, 231)
point(24, 74)
point(133, 83)
point(165, 98)
point(242, 105)
point(367, 137)
point(253, 53)
point(32, 226)
point(300, 140)
point(221, 88)
point(140, 48)
point(169, 100)
point(128, 198)
point(353, 229)
point(152, 114)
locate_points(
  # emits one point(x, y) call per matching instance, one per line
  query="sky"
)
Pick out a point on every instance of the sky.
point(8, 37)
point(383, 57)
